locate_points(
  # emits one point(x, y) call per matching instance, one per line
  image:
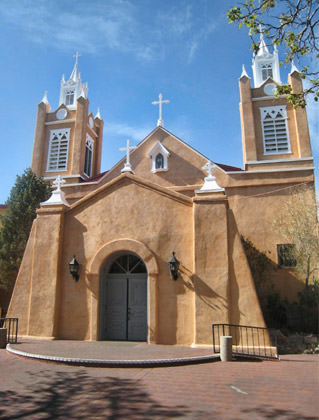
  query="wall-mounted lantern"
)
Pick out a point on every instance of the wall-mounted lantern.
point(173, 265)
point(74, 268)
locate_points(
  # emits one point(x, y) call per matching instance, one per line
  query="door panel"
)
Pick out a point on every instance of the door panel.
point(137, 308)
point(116, 308)
point(123, 300)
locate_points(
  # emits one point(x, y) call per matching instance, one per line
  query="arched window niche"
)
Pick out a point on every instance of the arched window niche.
point(159, 161)
point(159, 155)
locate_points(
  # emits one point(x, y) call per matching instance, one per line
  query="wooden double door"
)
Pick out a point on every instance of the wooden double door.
point(123, 308)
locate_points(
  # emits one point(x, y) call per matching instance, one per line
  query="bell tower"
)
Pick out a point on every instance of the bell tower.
point(274, 133)
point(265, 65)
point(68, 140)
point(73, 88)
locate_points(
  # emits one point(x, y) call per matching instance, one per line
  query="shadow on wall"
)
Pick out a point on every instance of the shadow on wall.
point(233, 291)
point(265, 273)
point(76, 395)
point(73, 309)
point(268, 279)
point(207, 295)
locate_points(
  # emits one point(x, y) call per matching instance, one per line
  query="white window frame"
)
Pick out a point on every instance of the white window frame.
point(162, 161)
point(89, 149)
point(58, 152)
point(275, 130)
point(158, 148)
point(265, 67)
point(69, 94)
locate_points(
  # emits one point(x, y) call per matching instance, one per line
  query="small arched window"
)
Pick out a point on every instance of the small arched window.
point(69, 97)
point(159, 157)
point(266, 71)
point(159, 161)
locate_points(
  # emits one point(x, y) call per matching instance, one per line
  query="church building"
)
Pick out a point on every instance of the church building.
point(151, 250)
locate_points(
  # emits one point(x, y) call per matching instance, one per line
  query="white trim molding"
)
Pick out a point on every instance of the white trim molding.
point(159, 155)
point(310, 168)
point(58, 150)
point(275, 130)
point(70, 120)
point(257, 162)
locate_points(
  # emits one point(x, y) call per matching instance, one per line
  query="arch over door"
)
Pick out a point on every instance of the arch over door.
point(123, 299)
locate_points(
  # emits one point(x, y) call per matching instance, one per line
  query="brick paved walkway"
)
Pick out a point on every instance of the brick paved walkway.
point(287, 389)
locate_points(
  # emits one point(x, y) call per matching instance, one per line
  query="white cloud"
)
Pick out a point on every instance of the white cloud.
point(177, 20)
point(87, 26)
point(95, 27)
point(200, 37)
point(188, 25)
point(125, 130)
point(192, 50)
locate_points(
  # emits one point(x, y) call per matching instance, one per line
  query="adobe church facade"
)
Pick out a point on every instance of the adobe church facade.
point(123, 225)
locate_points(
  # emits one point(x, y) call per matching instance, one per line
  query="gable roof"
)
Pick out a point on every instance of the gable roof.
point(100, 177)
point(136, 180)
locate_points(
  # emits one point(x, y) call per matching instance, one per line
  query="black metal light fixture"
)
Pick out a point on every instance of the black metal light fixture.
point(74, 268)
point(173, 265)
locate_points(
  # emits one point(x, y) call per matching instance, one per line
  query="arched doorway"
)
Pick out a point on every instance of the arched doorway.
point(123, 299)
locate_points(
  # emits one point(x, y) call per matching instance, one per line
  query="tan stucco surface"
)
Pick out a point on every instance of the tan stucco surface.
point(152, 214)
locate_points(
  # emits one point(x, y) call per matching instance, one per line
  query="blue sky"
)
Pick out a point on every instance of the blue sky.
point(131, 51)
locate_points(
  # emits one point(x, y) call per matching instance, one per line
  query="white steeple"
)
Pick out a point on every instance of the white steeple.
point(263, 49)
point(73, 88)
point(98, 114)
point(293, 67)
point(76, 75)
point(244, 73)
point(265, 64)
point(45, 98)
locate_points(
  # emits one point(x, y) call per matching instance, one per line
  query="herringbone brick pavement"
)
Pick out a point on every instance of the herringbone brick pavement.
point(286, 389)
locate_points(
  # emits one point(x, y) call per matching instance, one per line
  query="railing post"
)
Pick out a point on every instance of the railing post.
point(226, 348)
point(3, 338)
point(17, 325)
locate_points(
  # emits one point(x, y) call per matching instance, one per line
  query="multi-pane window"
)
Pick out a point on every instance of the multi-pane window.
point(159, 161)
point(266, 71)
point(58, 150)
point(275, 129)
point(69, 97)
point(89, 145)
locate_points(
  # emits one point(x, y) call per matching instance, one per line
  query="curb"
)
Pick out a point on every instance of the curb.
point(116, 363)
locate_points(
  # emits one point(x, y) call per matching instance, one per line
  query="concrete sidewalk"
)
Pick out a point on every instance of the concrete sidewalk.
point(111, 353)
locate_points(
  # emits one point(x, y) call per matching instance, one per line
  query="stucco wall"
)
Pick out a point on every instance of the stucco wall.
point(127, 210)
point(255, 210)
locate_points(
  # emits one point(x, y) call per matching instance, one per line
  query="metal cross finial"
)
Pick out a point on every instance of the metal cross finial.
point(59, 181)
point(160, 122)
point(209, 167)
point(77, 55)
point(128, 148)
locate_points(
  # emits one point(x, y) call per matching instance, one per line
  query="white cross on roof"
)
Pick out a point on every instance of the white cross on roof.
point(208, 167)
point(127, 166)
point(58, 182)
point(160, 122)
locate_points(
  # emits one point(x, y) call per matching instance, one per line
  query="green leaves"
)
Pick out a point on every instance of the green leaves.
point(293, 24)
point(25, 197)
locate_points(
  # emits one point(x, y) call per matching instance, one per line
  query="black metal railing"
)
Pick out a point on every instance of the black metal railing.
point(11, 324)
point(246, 340)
